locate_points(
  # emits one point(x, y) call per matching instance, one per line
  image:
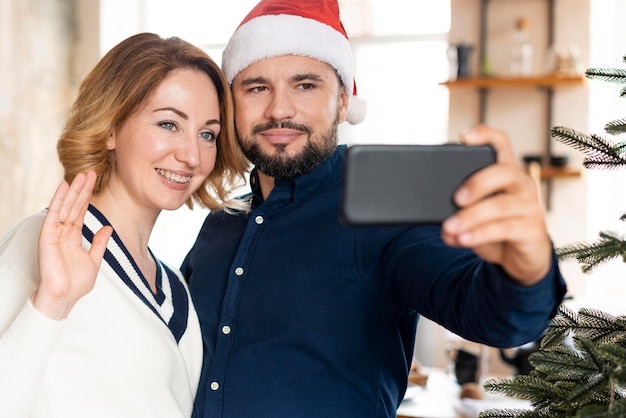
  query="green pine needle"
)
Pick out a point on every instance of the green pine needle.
point(590, 254)
point(525, 387)
point(616, 354)
point(612, 75)
point(616, 127)
point(511, 413)
point(570, 363)
point(601, 152)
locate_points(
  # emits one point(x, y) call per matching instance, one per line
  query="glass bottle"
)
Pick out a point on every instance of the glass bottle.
point(521, 62)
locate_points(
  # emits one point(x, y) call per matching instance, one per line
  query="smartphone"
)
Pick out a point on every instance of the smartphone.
point(407, 184)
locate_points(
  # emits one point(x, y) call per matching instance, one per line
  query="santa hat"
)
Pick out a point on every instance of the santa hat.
point(310, 28)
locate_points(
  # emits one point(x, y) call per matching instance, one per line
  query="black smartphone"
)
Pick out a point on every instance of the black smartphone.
point(407, 184)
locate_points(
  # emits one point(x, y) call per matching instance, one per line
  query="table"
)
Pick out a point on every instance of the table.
point(436, 400)
point(440, 399)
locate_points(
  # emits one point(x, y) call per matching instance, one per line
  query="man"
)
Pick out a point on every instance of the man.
point(304, 316)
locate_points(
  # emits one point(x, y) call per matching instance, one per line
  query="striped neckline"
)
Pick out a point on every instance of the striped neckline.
point(170, 303)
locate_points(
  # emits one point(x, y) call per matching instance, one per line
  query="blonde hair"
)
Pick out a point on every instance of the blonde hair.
point(119, 83)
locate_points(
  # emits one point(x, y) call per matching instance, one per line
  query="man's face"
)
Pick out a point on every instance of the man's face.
point(287, 110)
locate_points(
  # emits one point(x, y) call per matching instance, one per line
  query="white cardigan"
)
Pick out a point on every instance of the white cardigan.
point(115, 355)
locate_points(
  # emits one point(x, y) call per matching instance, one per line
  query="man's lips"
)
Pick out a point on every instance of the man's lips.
point(281, 136)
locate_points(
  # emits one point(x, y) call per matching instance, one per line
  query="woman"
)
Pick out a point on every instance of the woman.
point(91, 323)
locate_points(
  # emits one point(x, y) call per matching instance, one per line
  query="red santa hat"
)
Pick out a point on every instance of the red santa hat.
point(310, 28)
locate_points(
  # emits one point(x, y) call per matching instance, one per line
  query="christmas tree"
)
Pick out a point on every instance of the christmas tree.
point(580, 369)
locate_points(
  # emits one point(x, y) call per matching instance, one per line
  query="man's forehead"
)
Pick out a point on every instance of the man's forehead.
point(289, 64)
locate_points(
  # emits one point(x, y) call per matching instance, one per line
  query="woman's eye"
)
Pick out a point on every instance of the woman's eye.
point(170, 126)
point(208, 137)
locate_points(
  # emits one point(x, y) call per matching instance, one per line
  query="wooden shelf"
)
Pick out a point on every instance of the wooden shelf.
point(540, 81)
point(548, 172)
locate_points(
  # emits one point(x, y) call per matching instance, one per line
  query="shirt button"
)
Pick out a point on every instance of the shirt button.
point(239, 271)
point(215, 386)
point(226, 330)
point(258, 220)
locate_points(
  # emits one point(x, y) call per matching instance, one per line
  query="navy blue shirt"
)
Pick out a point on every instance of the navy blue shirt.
point(304, 316)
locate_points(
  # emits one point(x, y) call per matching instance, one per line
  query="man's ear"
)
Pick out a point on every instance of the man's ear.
point(343, 105)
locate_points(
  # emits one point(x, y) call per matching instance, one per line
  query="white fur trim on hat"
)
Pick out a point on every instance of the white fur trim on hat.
point(270, 36)
point(357, 109)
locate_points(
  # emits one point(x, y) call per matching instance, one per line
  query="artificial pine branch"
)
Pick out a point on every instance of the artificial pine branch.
point(599, 326)
point(592, 253)
point(559, 329)
point(601, 152)
point(569, 364)
point(580, 379)
point(616, 127)
point(517, 413)
point(615, 353)
point(612, 75)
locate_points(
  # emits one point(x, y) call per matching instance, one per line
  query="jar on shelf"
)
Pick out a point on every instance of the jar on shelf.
point(521, 60)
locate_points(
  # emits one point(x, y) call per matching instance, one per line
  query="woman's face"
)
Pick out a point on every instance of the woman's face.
point(167, 147)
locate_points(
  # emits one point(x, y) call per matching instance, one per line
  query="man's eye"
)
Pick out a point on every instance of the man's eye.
point(170, 126)
point(307, 86)
point(258, 89)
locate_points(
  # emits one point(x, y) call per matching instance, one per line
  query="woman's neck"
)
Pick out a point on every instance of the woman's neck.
point(133, 225)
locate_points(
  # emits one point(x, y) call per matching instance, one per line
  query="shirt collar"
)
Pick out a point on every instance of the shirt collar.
point(306, 184)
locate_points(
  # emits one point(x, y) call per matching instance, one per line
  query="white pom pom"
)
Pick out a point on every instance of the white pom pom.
point(357, 109)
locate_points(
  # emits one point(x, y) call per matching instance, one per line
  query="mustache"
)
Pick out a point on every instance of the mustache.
point(281, 125)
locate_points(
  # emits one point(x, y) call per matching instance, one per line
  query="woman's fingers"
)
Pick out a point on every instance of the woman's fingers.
point(99, 244)
point(54, 209)
point(68, 271)
point(79, 198)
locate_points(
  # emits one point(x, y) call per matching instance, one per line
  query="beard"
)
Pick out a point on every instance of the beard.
point(281, 166)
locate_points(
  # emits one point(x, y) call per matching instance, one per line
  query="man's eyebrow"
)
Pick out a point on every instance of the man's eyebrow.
point(307, 76)
point(295, 78)
point(253, 80)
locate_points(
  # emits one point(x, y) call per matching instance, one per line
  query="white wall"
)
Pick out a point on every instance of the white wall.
point(605, 201)
point(35, 94)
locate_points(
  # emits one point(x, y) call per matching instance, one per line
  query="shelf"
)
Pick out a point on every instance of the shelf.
point(548, 172)
point(540, 81)
point(547, 83)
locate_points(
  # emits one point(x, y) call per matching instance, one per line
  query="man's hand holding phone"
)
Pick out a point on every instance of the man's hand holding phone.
point(501, 217)
point(478, 193)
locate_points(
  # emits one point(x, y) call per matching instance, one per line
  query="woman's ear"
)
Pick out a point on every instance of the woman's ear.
point(111, 142)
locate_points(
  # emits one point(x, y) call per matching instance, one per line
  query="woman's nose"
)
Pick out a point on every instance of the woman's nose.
point(189, 150)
